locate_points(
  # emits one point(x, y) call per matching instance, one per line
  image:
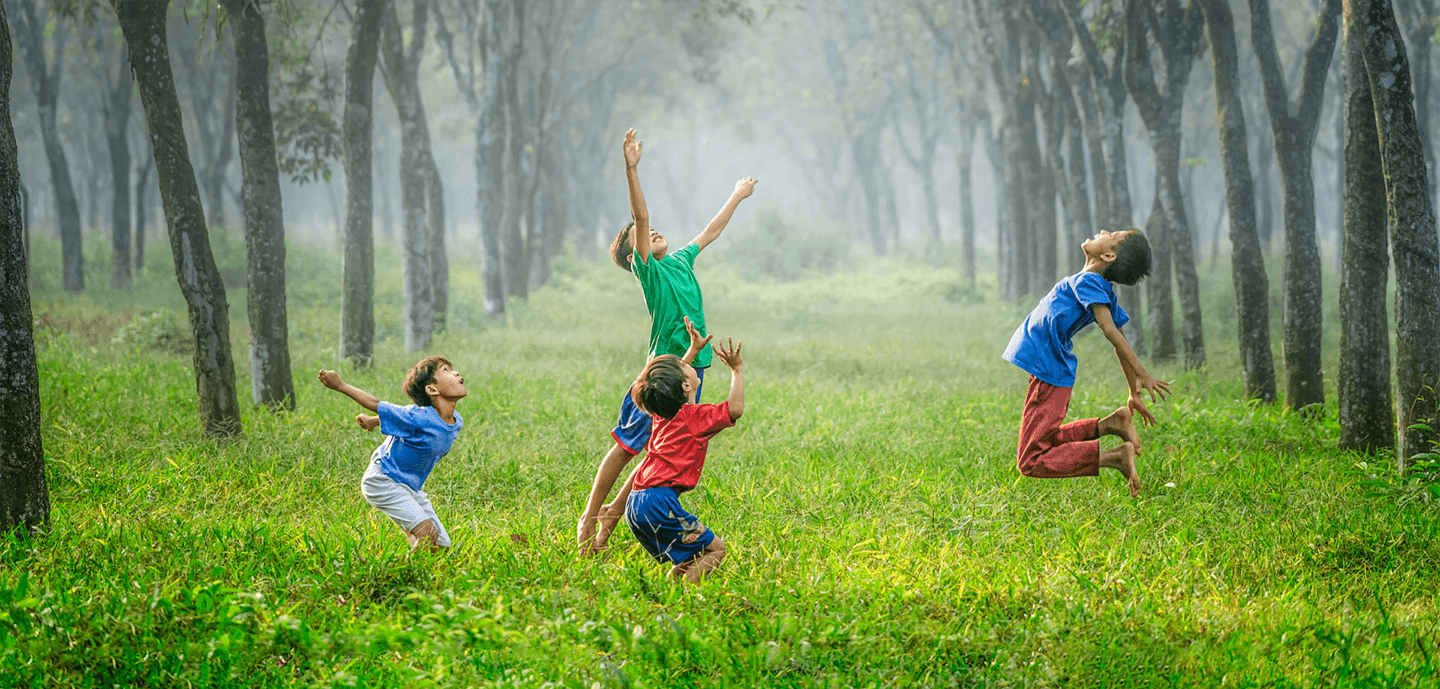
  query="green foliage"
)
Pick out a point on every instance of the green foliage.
point(879, 533)
point(164, 331)
point(779, 245)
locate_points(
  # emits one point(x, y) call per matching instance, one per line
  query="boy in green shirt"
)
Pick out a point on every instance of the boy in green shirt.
point(671, 296)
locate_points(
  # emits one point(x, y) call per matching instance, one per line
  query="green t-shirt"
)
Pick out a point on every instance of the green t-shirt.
point(671, 293)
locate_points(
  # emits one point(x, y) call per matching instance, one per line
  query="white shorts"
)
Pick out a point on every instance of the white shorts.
point(407, 507)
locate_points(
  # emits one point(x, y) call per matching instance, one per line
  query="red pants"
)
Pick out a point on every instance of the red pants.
point(1048, 449)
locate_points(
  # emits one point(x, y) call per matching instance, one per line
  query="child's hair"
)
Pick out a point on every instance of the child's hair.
point(660, 389)
point(422, 374)
point(621, 249)
point(1132, 259)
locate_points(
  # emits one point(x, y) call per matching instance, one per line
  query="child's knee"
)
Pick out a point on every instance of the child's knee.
point(716, 547)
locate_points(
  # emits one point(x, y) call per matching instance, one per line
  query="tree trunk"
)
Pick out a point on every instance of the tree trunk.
point(143, 24)
point(1293, 125)
point(1412, 226)
point(515, 226)
point(117, 136)
point(1367, 412)
point(489, 156)
point(1159, 297)
point(45, 80)
point(24, 497)
point(967, 207)
point(402, 80)
point(357, 299)
point(1252, 288)
point(142, 205)
point(261, 205)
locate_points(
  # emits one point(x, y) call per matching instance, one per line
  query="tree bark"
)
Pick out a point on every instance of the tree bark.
point(489, 157)
point(24, 496)
point(117, 137)
point(45, 80)
point(143, 24)
point(1252, 288)
point(1411, 217)
point(262, 207)
point(357, 300)
point(142, 205)
point(1367, 412)
point(515, 226)
point(1293, 125)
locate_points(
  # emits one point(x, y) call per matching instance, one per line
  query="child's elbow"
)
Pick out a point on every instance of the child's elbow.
point(736, 413)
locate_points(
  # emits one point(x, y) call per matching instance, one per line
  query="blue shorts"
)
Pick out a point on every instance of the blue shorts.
point(663, 527)
point(632, 430)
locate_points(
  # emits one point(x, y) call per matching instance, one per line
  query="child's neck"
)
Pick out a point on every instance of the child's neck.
point(445, 407)
point(1095, 265)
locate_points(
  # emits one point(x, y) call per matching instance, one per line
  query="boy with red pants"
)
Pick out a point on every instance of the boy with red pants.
point(1041, 346)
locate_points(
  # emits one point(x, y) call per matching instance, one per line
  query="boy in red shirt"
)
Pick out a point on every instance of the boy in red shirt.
point(683, 428)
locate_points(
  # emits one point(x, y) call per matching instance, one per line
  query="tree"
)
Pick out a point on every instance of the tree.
point(1293, 124)
point(489, 156)
point(1367, 414)
point(1252, 288)
point(45, 79)
point(1411, 217)
point(117, 137)
point(24, 496)
point(357, 309)
point(261, 205)
point(143, 25)
point(1176, 32)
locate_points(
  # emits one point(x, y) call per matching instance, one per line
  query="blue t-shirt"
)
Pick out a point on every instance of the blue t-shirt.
point(415, 440)
point(1041, 345)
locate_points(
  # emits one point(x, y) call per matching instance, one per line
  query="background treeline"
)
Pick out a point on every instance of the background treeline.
point(982, 137)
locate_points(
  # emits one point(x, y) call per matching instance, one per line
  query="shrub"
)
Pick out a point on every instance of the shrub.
point(162, 331)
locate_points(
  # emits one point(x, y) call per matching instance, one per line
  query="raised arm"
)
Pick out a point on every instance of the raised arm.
point(1136, 377)
point(332, 380)
point(731, 357)
point(743, 189)
point(640, 233)
point(697, 343)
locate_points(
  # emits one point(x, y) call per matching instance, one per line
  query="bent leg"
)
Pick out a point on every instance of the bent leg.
point(697, 567)
point(425, 535)
point(611, 465)
point(1048, 449)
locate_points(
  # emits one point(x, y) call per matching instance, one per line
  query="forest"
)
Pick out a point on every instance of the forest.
point(385, 181)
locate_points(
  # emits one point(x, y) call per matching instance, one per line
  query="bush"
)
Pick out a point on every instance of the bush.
point(162, 331)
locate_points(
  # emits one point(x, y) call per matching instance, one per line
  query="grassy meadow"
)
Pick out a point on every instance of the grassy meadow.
point(879, 533)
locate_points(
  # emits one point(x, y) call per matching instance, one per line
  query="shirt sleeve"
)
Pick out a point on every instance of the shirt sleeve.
point(710, 419)
point(397, 420)
point(688, 254)
point(1091, 289)
point(640, 268)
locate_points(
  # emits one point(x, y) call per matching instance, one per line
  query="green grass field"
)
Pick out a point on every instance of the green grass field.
point(879, 533)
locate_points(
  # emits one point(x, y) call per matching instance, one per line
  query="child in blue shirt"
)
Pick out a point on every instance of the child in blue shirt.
point(417, 436)
point(1041, 346)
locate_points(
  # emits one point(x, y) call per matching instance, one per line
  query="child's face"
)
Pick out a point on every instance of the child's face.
point(692, 383)
point(658, 246)
point(1103, 245)
point(447, 383)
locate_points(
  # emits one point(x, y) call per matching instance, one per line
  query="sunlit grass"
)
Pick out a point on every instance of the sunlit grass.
point(879, 532)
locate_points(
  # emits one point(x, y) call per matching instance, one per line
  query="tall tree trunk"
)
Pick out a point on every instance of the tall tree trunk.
point(142, 205)
point(1367, 412)
point(45, 80)
point(963, 160)
point(357, 299)
point(489, 156)
point(1252, 288)
point(143, 24)
point(261, 204)
point(1412, 226)
point(1293, 125)
point(117, 136)
point(516, 226)
point(401, 78)
point(439, 255)
point(24, 496)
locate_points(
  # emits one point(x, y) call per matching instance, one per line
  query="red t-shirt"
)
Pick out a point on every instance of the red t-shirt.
point(676, 452)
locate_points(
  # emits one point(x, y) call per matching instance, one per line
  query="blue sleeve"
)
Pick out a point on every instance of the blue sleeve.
point(397, 420)
point(1091, 289)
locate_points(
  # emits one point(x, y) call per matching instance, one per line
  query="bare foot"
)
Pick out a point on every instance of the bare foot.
point(1122, 459)
point(1121, 422)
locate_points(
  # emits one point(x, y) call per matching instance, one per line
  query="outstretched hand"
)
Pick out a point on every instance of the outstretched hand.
point(632, 149)
point(745, 187)
point(1138, 406)
point(1156, 388)
point(731, 355)
point(697, 343)
point(330, 379)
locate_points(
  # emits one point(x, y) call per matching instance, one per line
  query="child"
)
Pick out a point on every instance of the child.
point(1041, 346)
point(669, 389)
point(671, 295)
point(417, 437)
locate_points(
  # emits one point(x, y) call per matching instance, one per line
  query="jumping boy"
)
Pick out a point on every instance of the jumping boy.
point(417, 436)
point(1041, 346)
point(669, 389)
point(671, 295)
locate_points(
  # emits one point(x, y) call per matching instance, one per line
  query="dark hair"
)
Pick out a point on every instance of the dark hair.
point(1132, 259)
point(420, 375)
point(660, 389)
point(621, 249)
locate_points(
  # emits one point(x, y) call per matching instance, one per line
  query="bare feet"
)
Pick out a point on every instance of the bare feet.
point(1122, 459)
point(1121, 423)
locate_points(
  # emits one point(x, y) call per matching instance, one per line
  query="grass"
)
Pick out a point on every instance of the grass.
point(879, 532)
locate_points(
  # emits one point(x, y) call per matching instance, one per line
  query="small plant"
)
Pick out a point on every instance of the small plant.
point(162, 331)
